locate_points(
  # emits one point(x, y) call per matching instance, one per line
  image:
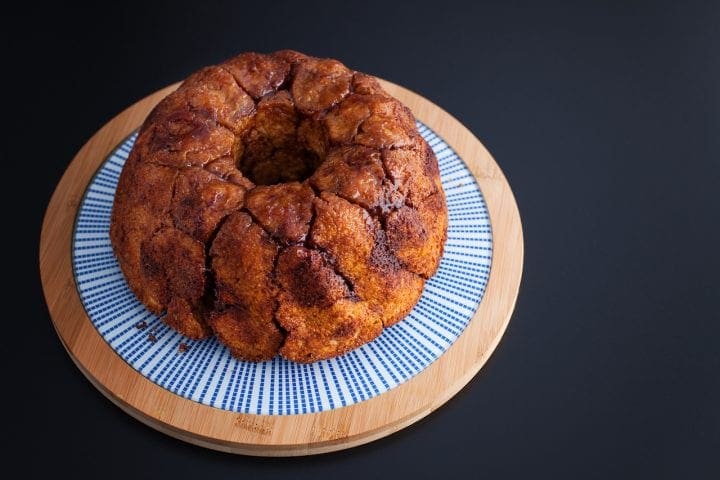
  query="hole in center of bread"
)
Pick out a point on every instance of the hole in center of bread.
point(275, 148)
point(266, 164)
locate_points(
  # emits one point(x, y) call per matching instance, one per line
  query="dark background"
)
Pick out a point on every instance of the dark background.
point(605, 118)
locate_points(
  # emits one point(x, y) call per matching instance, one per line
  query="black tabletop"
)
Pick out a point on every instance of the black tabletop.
point(605, 118)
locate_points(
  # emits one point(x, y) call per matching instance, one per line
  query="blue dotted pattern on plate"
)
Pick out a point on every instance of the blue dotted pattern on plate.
point(206, 373)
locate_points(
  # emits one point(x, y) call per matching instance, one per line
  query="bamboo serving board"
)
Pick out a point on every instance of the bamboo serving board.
point(281, 435)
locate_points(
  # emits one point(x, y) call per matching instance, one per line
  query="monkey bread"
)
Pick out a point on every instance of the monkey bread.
point(284, 203)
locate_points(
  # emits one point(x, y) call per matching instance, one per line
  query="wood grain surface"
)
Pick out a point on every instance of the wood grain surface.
point(286, 435)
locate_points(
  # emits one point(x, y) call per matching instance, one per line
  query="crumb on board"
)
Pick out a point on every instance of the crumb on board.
point(142, 325)
point(182, 348)
point(152, 338)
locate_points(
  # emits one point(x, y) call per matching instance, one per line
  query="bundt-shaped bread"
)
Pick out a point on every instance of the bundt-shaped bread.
point(282, 202)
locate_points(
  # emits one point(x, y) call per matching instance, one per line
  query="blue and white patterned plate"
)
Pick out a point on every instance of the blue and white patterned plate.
point(205, 372)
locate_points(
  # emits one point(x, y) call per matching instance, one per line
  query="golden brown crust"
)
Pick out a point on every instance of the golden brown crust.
point(182, 136)
point(343, 122)
point(283, 210)
point(214, 88)
point(141, 207)
point(201, 200)
point(173, 268)
point(318, 333)
point(258, 74)
point(243, 258)
point(311, 134)
point(366, 85)
point(351, 236)
point(282, 202)
point(226, 169)
point(187, 318)
point(390, 125)
point(417, 235)
point(249, 337)
point(291, 56)
point(353, 173)
point(319, 84)
point(415, 180)
point(309, 278)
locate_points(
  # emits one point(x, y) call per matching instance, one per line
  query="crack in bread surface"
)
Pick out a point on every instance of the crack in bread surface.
point(319, 131)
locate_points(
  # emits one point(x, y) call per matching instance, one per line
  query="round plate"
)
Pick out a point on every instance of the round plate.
point(195, 391)
point(205, 371)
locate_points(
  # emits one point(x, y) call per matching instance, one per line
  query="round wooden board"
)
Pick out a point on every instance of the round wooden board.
point(285, 435)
